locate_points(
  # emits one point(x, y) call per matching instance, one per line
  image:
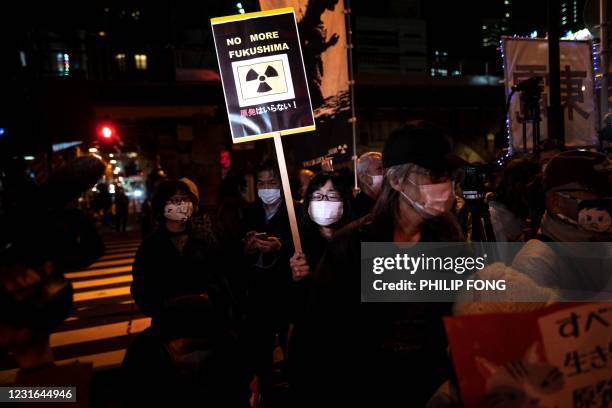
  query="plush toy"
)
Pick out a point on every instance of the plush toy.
point(596, 215)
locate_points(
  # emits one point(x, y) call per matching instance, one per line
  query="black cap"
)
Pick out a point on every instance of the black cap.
point(591, 170)
point(421, 143)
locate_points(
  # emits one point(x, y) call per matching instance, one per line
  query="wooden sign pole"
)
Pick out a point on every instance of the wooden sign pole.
point(282, 166)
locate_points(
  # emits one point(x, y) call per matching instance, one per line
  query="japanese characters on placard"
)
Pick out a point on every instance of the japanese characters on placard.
point(579, 342)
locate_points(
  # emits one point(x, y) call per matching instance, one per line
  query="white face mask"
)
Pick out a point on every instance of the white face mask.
point(181, 211)
point(269, 195)
point(326, 213)
point(377, 183)
point(438, 198)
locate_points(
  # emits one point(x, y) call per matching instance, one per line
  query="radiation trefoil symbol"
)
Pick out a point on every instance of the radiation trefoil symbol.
point(263, 80)
point(252, 75)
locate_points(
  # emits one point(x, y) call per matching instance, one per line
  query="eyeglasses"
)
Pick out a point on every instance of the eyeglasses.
point(178, 199)
point(331, 196)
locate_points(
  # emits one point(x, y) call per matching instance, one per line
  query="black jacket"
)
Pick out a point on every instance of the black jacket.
point(269, 275)
point(362, 205)
point(375, 352)
point(161, 273)
point(313, 246)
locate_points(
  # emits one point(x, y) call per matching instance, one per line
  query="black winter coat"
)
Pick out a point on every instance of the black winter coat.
point(347, 351)
point(161, 273)
point(268, 275)
point(362, 205)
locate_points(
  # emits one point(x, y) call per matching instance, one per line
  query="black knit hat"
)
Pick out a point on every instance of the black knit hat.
point(591, 170)
point(421, 143)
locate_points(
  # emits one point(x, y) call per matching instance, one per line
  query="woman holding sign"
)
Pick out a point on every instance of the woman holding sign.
point(326, 209)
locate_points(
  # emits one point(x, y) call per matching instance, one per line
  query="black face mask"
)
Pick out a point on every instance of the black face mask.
point(43, 307)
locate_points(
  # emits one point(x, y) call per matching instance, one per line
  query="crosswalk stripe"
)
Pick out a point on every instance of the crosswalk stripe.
point(99, 294)
point(116, 256)
point(98, 332)
point(100, 360)
point(109, 275)
point(113, 262)
point(100, 272)
point(101, 282)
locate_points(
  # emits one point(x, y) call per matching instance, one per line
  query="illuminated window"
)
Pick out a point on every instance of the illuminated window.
point(141, 61)
point(121, 62)
point(63, 63)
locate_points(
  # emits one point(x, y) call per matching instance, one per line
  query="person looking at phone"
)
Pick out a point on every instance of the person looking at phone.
point(267, 248)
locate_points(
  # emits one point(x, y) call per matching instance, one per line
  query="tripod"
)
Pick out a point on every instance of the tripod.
point(477, 208)
point(482, 229)
point(531, 109)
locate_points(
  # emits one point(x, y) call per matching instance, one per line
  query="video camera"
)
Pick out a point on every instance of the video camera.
point(474, 181)
point(531, 86)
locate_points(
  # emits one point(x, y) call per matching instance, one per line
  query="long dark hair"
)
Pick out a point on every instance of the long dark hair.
point(386, 206)
point(340, 185)
point(442, 229)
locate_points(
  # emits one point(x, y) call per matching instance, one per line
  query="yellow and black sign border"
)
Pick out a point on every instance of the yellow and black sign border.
point(245, 16)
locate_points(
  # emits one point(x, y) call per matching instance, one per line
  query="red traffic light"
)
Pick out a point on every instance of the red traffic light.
point(106, 131)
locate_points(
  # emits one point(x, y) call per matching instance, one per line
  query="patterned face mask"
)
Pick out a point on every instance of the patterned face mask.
point(178, 211)
point(591, 215)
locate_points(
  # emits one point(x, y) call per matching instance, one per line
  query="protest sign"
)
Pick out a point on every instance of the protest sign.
point(264, 83)
point(263, 76)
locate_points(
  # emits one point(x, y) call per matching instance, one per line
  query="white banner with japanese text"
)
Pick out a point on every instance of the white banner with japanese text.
point(525, 58)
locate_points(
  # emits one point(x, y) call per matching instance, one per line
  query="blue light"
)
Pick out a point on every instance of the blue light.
point(2, 131)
